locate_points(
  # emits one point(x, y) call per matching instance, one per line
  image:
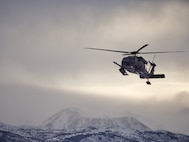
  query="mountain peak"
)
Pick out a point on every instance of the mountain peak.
point(62, 119)
point(71, 118)
point(69, 112)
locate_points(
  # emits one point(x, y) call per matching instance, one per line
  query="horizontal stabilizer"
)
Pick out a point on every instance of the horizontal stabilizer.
point(157, 76)
point(154, 76)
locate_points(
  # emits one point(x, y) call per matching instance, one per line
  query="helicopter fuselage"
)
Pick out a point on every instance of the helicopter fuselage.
point(135, 64)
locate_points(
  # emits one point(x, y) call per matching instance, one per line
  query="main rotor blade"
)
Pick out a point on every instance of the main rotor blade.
point(160, 52)
point(134, 52)
point(141, 48)
point(107, 50)
point(154, 52)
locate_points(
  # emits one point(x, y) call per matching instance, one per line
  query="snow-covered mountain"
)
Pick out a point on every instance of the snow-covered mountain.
point(72, 119)
point(69, 125)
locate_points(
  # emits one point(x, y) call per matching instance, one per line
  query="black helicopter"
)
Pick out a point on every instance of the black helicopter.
point(137, 64)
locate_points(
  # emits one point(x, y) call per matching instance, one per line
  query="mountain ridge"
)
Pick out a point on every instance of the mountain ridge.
point(73, 119)
point(74, 127)
point(114, 134)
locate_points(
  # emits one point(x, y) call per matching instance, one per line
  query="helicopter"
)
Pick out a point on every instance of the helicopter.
point(137, 64)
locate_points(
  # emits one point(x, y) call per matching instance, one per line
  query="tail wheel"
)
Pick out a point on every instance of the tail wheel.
point(148, 82)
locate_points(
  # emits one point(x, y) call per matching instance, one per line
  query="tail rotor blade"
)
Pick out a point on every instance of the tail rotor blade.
point(154, 58)
point(151, 63)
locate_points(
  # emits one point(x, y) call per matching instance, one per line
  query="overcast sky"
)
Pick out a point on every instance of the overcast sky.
point(45, 68)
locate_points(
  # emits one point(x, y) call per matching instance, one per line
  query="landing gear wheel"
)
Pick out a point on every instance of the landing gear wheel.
point(148, 82)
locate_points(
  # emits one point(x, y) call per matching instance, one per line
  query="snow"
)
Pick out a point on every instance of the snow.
point(73, 119)
point(70, 126)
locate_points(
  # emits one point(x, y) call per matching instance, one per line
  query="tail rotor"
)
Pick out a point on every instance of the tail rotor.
point(151, 69)
point(152, 65)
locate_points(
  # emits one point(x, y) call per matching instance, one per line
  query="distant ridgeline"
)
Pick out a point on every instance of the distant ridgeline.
point(69, 125)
